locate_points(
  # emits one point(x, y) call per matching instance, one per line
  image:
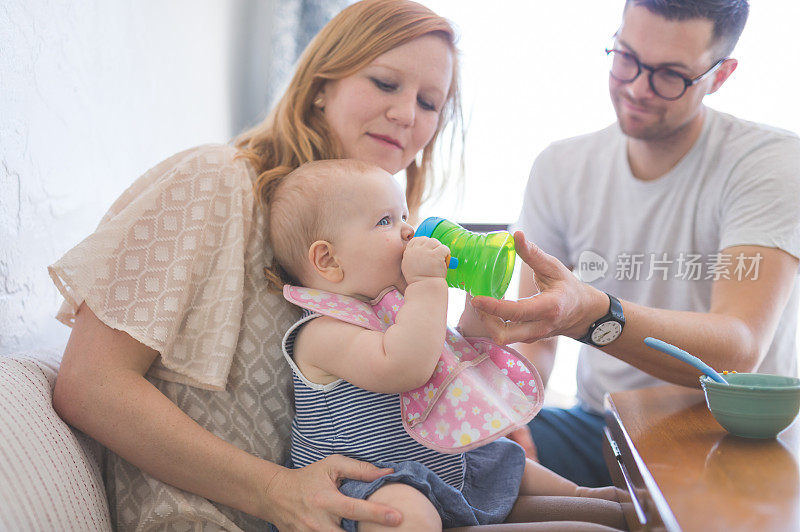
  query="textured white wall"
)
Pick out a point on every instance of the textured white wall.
point(93, 93)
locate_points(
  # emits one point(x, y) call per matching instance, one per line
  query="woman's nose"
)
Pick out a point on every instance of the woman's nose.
point(402, 110)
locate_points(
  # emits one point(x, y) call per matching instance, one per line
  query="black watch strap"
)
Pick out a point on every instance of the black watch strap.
point(614, 314)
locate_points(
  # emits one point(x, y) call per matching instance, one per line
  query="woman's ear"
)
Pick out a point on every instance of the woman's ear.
point(323, 262)
point(319, 99)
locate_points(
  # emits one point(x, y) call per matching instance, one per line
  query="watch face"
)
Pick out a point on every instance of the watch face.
point(606, 332)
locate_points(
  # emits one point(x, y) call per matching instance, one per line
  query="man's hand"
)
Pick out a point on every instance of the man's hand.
point(423, 258)
point(564, 306)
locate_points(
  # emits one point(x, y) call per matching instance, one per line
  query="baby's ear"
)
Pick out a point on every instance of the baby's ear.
point(323, 262)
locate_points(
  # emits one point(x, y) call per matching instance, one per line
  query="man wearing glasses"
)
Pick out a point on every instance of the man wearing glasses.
point(681, 223)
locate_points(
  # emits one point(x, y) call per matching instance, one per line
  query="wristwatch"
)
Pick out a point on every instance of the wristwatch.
point(608, 328)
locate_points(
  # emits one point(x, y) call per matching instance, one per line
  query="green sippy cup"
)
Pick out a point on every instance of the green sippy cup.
point(485, 261)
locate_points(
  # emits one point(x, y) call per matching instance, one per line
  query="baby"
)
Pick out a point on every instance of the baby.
point(341, 227)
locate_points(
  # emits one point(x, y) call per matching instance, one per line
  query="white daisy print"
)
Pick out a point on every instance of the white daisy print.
point(460, 413)
point(429, 392)
point(494, 421)
point(458, 392)
point(311, 294)
point(441, 429)
point(385, 317)
point(465, 435)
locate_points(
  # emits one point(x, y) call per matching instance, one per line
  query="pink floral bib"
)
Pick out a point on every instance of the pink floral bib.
point(479, 391)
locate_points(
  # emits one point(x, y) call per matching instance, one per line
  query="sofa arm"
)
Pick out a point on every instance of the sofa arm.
point(50, 475)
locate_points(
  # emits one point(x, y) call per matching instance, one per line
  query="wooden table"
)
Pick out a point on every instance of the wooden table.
point(683, 471)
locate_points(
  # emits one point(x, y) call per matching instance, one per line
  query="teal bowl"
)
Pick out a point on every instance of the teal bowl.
point(753, 405)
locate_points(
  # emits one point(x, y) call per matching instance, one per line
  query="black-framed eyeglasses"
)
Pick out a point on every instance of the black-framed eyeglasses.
point(664, 82)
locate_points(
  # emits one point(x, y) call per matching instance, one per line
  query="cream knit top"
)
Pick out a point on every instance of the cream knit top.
point(177, 263)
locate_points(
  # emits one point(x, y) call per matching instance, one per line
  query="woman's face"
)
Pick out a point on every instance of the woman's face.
point(388, 111)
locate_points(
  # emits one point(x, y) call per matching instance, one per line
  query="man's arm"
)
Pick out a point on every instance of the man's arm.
point(736, 332)
point(734, 335)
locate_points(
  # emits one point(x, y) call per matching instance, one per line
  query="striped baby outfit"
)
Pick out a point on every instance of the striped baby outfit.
point(340, 418)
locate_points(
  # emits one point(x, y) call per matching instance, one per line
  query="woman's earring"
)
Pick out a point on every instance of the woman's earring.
point(318, 103)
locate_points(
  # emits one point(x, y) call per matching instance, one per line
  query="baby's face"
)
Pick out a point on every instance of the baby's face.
point(373, 233)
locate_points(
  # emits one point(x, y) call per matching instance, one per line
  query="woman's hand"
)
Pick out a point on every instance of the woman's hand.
point(309, 498)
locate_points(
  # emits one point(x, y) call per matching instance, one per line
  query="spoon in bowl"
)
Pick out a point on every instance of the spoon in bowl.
point(683, 356)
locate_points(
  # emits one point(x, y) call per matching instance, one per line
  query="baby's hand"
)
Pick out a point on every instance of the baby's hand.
point(423, 258)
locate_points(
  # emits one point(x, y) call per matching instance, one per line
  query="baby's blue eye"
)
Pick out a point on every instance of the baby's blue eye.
point(385, 221)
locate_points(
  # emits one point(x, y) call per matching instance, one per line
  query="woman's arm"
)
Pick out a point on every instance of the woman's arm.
point(102, 391)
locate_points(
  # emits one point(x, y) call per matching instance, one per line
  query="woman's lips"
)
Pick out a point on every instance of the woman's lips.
point(386, 140)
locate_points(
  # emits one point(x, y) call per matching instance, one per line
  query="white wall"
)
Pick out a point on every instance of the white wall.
point(92, 93)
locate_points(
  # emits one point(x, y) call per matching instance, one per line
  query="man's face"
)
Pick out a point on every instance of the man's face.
point(683, 46)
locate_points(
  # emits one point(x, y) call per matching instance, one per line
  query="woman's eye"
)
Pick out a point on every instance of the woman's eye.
point(385, 221)
point(426, 105)
point(384, 86)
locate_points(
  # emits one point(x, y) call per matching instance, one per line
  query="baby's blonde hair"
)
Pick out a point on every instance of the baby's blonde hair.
point(305, 206)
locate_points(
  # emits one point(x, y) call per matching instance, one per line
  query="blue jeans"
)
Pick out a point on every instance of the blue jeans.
point(569, 442)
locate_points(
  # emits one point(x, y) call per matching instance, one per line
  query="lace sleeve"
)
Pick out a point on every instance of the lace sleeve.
point(166, 263)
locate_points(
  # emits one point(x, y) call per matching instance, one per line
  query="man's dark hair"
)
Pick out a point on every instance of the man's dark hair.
point(728, 16)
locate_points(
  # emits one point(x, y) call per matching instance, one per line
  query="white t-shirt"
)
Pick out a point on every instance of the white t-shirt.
point(659, 240)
